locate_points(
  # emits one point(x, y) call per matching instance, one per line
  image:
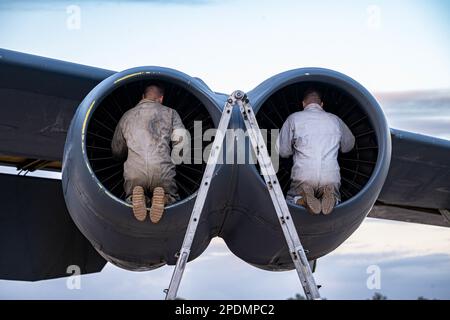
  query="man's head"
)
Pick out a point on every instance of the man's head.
point(312, 96)
point(154, 92)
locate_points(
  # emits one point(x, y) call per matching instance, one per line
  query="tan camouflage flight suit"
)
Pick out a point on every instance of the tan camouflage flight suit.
point(144, 133)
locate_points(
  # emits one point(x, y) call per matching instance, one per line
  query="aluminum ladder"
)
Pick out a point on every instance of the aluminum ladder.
point(296, 250)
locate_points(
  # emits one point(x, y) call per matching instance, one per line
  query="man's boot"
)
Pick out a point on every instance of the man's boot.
point(308, 200)
point(158, 203)
point(138, 201)
point(328, 199)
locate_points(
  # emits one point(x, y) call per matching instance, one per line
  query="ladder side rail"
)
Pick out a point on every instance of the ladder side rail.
point(184, 253)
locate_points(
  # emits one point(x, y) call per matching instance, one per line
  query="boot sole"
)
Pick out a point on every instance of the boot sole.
point(158, 202)
point(312, 203)
point(328, 200)
point(138, 200)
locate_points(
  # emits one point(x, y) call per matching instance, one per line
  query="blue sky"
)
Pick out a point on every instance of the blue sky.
point(388, 46)
point(399, 45)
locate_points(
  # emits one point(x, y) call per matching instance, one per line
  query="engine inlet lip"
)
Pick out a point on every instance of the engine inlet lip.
point(366, 100)
point(109, 85)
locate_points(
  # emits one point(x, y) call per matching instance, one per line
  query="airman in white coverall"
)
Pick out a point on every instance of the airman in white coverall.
point(313, 137)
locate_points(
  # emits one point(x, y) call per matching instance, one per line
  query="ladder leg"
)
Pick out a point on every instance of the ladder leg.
point(183, 256)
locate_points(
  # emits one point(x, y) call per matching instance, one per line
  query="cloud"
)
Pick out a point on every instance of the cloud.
point(397, 240)
point(407, 272)
point(344, 277)
point(426, 112)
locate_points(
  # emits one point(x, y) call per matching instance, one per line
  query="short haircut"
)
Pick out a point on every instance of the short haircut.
point(312, 95)
point(154, 88)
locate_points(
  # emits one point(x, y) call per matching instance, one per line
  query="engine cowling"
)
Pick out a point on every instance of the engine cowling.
point(363, 171)
point(93, 180)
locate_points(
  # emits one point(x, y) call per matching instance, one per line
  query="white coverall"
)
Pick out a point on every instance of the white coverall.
point(314, 137)
point(143, 136)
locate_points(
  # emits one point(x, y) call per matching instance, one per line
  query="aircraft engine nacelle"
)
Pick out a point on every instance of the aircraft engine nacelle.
point(93, 180)
point(253, 232)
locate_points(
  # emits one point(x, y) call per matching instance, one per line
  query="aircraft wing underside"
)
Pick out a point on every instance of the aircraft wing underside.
point(417, 188)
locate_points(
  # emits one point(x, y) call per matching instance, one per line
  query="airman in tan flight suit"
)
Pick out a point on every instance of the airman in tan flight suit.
point(143, 136)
